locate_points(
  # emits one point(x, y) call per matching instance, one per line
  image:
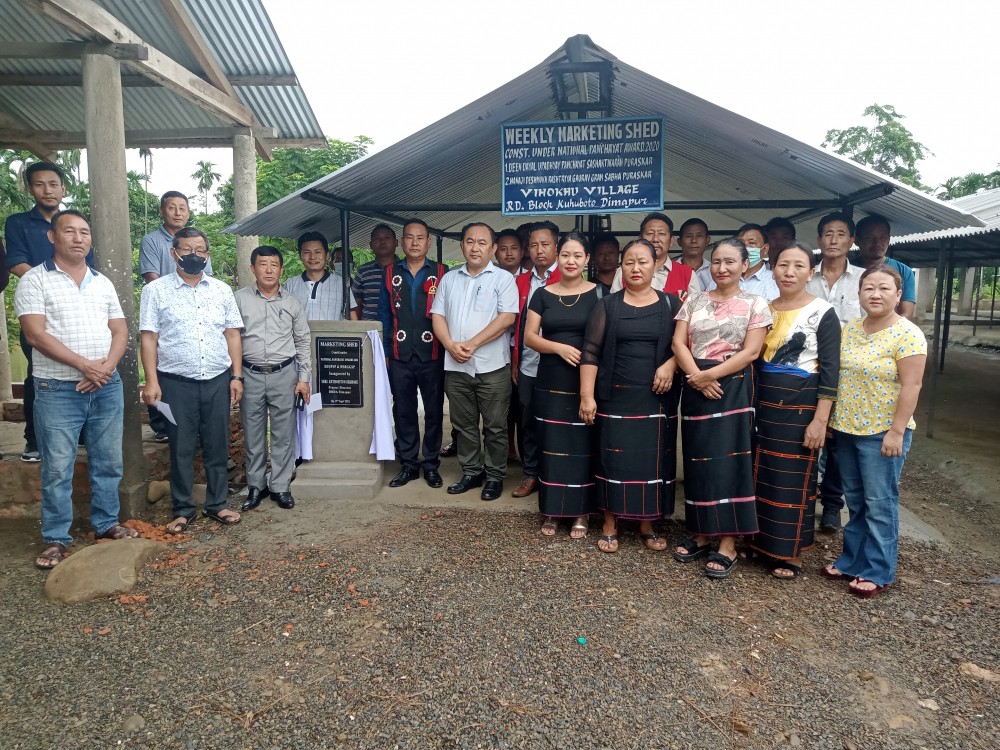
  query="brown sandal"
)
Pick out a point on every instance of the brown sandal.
point(118, 532)
point(54, 554)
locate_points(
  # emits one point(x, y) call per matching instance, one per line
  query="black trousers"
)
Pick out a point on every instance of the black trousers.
point(405, 379)
point(529, 432)
point(31, 443)
point(201, 410)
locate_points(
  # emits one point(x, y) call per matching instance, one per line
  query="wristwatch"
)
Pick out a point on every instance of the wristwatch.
point(237, 377)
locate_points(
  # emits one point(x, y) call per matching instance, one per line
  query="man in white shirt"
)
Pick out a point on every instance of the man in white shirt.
point(475, 306)
point(73, 321)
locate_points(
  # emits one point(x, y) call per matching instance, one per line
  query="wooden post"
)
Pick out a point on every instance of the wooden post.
point(244, 201)
point(105, 125)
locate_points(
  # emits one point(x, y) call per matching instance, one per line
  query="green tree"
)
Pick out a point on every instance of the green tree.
point(887, 146)
point(967, 184)
point(206, 176)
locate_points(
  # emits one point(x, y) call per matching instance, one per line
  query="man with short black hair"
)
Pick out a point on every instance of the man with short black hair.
point(277, 368)
point(28, 245)
point(191, 351)
point(320, 291)
point(780, 233)
point(472, 312)
point(509, 252)
point(71, 316)
point(607, 258)
point(368, 280)
point(414, 356)
point(155, 256)
point(694, 239)
point(872, 235)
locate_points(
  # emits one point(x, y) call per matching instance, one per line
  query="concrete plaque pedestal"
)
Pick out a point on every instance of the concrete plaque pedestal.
point(342, 468)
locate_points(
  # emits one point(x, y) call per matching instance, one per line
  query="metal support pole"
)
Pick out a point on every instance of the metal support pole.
point(936, 344)
point(440, 248)
point(345, 248)
point(947, 307)
point(977, 292)
point(993, 301)
point(105, 125)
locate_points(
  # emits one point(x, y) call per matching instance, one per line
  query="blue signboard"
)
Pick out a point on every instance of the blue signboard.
point(582, 166)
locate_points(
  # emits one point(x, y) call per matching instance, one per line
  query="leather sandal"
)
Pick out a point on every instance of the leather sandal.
point(53, 554)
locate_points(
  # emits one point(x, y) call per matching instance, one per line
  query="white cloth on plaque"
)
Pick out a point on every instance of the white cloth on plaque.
point(304, 426)
point(383, 445)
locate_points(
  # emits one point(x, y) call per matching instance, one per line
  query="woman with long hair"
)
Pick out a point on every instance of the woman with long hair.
point(556, 321)
point(627, 375)
point(796, 390)
point(717, 337)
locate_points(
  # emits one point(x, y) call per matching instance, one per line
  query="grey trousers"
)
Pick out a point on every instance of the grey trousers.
point(269, 397)
point(469, 398)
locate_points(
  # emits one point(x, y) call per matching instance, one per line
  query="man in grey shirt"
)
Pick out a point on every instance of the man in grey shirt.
point(155, 259)
point(276, 366)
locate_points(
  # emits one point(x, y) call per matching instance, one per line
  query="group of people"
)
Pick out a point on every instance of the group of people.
point(770, 363)
point(204, 349)
point(579, 364)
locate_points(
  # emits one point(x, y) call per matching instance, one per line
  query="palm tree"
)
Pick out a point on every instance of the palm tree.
point(147, 167)
point(206, 179)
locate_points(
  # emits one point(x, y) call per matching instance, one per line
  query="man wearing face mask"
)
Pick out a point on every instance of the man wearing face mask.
point(192, 355)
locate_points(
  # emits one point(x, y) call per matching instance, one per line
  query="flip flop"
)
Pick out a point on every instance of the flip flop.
point(727, 563)
point(867, 593)
point(830, 573)
point(795, 570)
point(650, 540)
point(610, 539)
point(179, 527)
point(693, 550)
point(550, 526)
point(578, 525)
point(224, 520)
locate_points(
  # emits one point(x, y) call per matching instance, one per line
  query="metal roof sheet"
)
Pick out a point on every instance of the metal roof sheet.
point(710, 154)
point(238, 32)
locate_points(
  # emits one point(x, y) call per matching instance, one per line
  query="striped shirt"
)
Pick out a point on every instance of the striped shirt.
point(367, 287)
point(75, 315)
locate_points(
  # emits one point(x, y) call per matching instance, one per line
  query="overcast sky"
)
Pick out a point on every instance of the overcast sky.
point(386, 68)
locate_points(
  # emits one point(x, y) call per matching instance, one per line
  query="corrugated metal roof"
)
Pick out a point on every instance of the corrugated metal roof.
point(238, 32)
point(710, 154)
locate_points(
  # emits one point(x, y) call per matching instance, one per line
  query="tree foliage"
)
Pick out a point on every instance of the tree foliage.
point(967, 184)
point(206, 176)
point(887, 146)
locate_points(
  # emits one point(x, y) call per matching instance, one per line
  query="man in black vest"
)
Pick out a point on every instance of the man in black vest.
point(414, 356)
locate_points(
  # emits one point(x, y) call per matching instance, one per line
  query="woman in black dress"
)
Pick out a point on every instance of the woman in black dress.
point(627, 374)
point(557, 319)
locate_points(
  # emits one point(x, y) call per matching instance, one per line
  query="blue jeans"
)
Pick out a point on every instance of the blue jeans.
point(871, 486)
point(61, 414)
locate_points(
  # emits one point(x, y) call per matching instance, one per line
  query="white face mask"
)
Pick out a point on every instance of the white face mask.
point(754, 253)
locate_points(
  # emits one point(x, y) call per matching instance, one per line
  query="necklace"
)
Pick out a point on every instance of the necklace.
point(571, 303)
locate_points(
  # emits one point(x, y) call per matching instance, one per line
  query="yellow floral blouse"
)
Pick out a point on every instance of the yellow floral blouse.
point(869, 381)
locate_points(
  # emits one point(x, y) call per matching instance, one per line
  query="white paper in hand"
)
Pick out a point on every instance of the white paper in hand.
point(164, 409)
point(315, 403)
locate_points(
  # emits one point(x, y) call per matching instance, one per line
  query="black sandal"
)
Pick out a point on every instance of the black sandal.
point(727, 563)
point(693, 550)
point(224, 520)
point(178, 527)
point(795, 570)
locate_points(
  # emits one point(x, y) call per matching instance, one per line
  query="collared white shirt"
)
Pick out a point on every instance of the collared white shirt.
point(323, 299)
point(155, 257)
point(843, 295)
point(189, 322)
point(76, 315)
point(469, 304)
point(528, 363)
point(761, 282)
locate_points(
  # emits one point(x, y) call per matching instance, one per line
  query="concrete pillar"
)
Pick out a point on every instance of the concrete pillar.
point(244, 201)
point(105, 129)
point(926, 281)
point(966, 291)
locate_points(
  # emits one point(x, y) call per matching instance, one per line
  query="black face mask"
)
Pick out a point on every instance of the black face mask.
point(192, 263)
